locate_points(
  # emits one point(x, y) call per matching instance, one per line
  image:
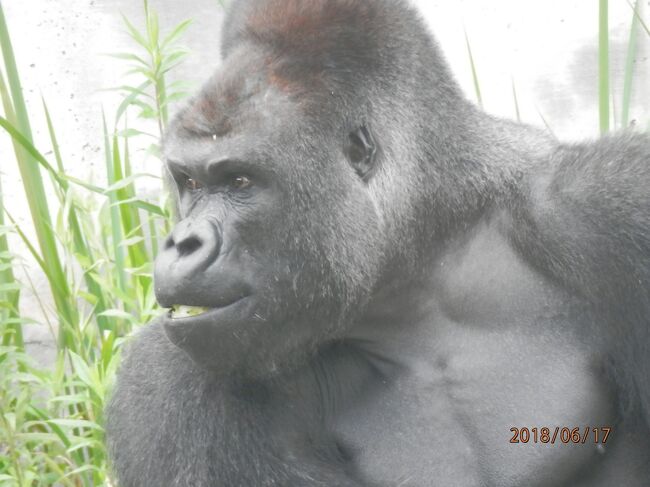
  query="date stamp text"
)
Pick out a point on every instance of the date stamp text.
point(561, 435)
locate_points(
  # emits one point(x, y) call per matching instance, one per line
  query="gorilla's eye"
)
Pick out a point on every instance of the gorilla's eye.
point(192, 184)
point(240, 181)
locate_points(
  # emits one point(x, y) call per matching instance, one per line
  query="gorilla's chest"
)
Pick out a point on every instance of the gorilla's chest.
point(447, 420)
point(499, 347)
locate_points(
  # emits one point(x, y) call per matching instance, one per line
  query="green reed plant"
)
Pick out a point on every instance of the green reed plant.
point(99, 275)
point(161, 55)
point(603, 64)
point(477, 84)
point(15, 108)
point(629, 66)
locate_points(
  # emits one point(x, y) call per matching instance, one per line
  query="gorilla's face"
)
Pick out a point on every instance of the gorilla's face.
point(278, 239)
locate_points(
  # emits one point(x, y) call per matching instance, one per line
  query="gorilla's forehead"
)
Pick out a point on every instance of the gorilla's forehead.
point(241, 108)
point(240, 94)
point(202, 151)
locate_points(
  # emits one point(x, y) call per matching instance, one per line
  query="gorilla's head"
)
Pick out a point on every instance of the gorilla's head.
point(297, 178)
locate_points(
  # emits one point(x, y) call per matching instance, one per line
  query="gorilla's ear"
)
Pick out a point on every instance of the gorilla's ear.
point(361, 150)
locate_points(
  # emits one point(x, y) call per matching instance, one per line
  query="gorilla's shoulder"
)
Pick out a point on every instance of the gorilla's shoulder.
point(612, 169)
point(596, 195)
point(588, 211)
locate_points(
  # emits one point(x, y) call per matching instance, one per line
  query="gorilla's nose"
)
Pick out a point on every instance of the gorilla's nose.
point(189, 237)
point(187, 252)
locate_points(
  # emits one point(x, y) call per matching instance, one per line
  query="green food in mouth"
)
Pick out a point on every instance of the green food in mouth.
point(181, 311)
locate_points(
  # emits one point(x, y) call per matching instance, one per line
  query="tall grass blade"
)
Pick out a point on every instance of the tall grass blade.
point(131, 224)
point(546, 124)
point(637, 14)
point(477, 87)
point(13, 333)
point(603, 65)
point(629, 66)
point(515, 99)
point(116, 230)
point(35, 193)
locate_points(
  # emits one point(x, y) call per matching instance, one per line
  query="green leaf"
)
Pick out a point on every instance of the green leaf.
point(69, 399)
point(129, 100)
point(84, 184)
point(81, 369)
point(11, 286)
point(124, 182)
point(117, 313)
point(127, 57)
point(75, 423)
point(37, 437)
point(133, 133)
point(176, 33)
point(135, 35)
point(25, 143)
point(131, 241)
point(143, 205)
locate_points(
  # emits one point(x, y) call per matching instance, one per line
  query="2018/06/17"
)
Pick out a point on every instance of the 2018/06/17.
point(566, 435)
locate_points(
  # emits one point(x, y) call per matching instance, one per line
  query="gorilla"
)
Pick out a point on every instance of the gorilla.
point(373, 283)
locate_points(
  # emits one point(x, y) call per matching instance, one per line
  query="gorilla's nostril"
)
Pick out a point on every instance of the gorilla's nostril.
point(188, 246)
point(169, 242)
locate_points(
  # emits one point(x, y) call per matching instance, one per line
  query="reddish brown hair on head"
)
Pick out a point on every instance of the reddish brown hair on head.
point(312, 44)
point(307, 25)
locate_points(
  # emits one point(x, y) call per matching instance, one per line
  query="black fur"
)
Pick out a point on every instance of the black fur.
point(341, 234)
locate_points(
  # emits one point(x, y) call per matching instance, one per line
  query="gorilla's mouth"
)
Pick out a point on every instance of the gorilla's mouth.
point(179, 311)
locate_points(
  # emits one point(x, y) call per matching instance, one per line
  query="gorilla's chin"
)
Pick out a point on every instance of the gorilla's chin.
point(201, 332)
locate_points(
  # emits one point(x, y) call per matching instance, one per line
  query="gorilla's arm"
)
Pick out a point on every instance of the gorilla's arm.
point(173, 423)
point(587, 224)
